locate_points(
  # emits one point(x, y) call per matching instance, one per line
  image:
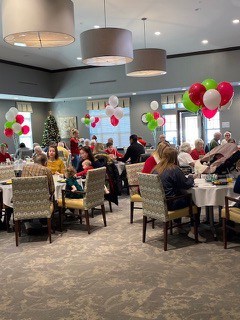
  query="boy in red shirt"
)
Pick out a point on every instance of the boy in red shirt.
point(87, 165)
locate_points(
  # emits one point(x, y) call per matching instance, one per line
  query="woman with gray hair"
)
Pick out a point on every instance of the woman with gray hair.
point(198, 152)
point(184, 157)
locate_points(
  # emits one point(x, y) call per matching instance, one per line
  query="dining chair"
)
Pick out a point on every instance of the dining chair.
point(154, 205)
point(31, 200)
point(133, 184)
point(229, 213)
point(93, 196)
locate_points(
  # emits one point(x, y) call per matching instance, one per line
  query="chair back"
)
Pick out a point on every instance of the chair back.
point(132, 176)
point(7, 172)
point(23, 154)
point(144, 157)
point(153, 196)
point(94, 188)
point(31, 198)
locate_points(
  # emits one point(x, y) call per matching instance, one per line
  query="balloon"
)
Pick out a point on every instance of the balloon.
point(109, 110)
point(196, 92)
point(152, 125)
point(226, 106)
point(154, 105)
point(20, 133)
point(8, 132)
point(149, 117)
point(160, 122)
point(113, 101)
point(19, 118)
point(164, 121)
point(93, 124)
point(209, 113)
point(10, 116)
point(156, 115)
point(226, 91)
point(97, 119)
point(210, 84)
point(211, 99)
point(8, 124)
point(16, 127)
point(114, 121)
point(14, 111)
point(83, 120)
point(25, 130)
point(188, 104)
point(87, 121)
point(87, 116)
point(92, 119)
point(118, 112)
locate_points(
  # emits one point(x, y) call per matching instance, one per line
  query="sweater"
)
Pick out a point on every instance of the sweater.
point(56, 166)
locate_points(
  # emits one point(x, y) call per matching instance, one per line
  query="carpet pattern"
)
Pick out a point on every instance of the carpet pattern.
point(111, 274)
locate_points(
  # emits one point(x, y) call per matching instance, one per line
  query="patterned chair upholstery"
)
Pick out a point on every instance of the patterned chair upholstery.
point(155, 205)
point(93, 196)
point(229, 214)
point(132, 176)
point(31, 201)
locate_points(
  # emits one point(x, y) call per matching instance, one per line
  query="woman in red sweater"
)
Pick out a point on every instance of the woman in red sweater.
point(74, 147)
point(198, 152)
point(155, 158)
point(3, 154)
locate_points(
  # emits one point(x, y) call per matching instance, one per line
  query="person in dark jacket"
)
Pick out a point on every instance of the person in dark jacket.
point(71, 184)
point(133, 151)
point(86, 154)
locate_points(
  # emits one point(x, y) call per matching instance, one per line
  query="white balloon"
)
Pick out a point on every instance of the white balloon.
point(82, 120)
point(10, 116)
point(14, 110)
point(226, 106)
point(16, 127)
point(109, 110)
point(154, 105)
point(160, 121)
point(118, 113)
point(212, 99)
point(92, 119)
point(113, 101)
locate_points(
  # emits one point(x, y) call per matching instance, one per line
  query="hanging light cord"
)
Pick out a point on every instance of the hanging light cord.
point(105, 16)
point(144, 31)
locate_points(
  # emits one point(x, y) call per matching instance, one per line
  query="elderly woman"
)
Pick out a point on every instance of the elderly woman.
point(227, 138)
point(184, 157)
point(155, 158)
point(198, 152)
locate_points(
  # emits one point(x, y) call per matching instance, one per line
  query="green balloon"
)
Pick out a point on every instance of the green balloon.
point(20, 133)
point(210, 84)
point(8, 124)
point(188, 104)
point(152, 125)
point(149, 117)
point(87, 121)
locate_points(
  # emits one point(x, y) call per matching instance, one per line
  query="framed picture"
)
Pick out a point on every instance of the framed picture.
point(65, 124)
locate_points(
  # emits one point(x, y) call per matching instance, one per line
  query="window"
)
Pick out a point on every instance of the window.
point(27, 138)
point(170, 128)
point(212, 126)
point(168, 106)
point(105, 130)
point(180, 105)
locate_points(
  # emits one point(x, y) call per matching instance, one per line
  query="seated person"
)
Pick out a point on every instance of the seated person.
point(198, 152)
point(4, 155)
point(55, 164)
point(98, 148)
point(87, 165)
point(155, 158)
point(37, 151)
point(72, 184)
point(93, 142)
point(22, 152)
point(184, 157)
point(86, 153)
point(61, 148)
point(133, 151)
point(141, 141)
point(113, 153)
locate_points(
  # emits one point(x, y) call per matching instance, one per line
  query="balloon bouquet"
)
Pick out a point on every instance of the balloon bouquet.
point(209, 97)
point(113, 111)
point(14, 123)
point(88, 120)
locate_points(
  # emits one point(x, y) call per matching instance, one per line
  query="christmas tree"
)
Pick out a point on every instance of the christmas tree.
point(51, 131)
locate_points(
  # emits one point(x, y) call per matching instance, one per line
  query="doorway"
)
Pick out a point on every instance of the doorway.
point(190, 127)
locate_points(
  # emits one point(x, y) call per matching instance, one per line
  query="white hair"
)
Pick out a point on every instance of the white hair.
point(185, 147)
point(86, 142)
point(198, 142)
point(93, 141)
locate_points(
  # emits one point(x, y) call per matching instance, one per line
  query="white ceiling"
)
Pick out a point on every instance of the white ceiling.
point(183, 25)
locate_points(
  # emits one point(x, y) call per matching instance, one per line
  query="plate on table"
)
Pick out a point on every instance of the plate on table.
point(219, 183)
point(62, 180)
point(7, 182)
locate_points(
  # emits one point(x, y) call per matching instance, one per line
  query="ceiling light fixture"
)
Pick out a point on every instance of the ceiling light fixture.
point(235, 21)
point(157, 33)
point(79, 58)
point(106, 46)
point(38, 23)
point(96, 27)
point(204, 41)
point(148, 62)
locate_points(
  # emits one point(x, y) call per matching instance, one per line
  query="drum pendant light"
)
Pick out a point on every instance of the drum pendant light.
point(106, 46)
point(38, 23)
point(148, 62)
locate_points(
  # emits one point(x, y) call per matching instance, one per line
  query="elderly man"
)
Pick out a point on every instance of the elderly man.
point(215, 141)
point(162, 138)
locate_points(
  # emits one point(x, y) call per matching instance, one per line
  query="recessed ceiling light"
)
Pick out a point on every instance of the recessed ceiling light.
point(184, 89)
point(157, 33)
point(236, 21)
point(204, 41)
point(15, 98)
point(89, 97)
point(79, 58)
point(96, 27)
point(239, 83)
point(20, 44)
point(134, 93)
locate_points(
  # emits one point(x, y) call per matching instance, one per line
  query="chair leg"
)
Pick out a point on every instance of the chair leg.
point(103, 215)
point(16, 231)
point(49, 229)
point(165, 228)
point(80, 216)
point(171, 227)
point(110, 206)
point(19, 228)
point(131, 211)
point(153, 223)
point(60, 212)
point(195, 227)
point(87, 221)
point(92, 212)
point(224, 233)
point(144, 229)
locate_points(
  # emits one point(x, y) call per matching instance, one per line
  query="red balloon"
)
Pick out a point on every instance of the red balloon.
point(8, 132)
point(196, 92)
point(209, 113)
point(19, 118)
point(114, 121)
point(97, 119)
point(226, 91)
point(164, 121)
point(87, 116)
point(93, 124)
point(156, 115)
point(25, 129)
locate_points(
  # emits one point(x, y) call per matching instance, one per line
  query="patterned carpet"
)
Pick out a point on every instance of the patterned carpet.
point(111, 274)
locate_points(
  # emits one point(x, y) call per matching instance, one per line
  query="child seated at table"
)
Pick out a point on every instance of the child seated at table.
point(87, 165)
point(72, 184)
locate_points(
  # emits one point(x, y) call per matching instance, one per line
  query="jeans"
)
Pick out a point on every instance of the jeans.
point(75, 161)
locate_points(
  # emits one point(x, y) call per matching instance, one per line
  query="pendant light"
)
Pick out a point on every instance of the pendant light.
point(38, 23)
point(106, 46)
point(148, 62)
